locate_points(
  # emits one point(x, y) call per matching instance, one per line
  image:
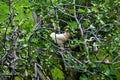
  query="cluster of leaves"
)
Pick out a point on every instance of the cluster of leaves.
point(35, 48)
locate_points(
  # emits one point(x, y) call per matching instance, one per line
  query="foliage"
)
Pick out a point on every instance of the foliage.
point(28, 52)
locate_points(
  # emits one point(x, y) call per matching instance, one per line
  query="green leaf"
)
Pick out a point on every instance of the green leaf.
point(89, 11)
point(102, 22)
point(81, 10)
point(73, 26)
point(57, 74)
point(4, 10)
point(71, 11)
point(95, 9)
point(84, 77)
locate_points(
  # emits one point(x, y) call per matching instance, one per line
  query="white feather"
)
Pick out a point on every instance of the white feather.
point(95, 48)
point(59, 38)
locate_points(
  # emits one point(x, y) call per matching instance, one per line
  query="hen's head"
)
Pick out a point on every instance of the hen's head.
point(67, 33)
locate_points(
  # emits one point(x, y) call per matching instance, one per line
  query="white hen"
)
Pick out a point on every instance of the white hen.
point(60, 39)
